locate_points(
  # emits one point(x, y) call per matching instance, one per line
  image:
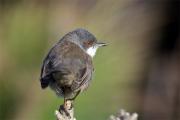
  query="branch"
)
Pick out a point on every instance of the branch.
point(68, 114)
point(123, 115)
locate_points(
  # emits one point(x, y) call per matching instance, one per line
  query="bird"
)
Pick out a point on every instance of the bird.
point(68, 67)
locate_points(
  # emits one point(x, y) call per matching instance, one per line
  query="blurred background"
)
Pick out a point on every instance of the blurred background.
point(139, 70)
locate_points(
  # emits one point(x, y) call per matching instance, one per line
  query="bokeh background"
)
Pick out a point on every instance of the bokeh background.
point(139, 70)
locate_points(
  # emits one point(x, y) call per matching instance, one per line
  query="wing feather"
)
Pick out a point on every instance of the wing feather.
point(67, 68)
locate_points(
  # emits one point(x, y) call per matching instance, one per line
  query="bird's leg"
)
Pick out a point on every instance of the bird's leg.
point(75, 96)
point(65, 104)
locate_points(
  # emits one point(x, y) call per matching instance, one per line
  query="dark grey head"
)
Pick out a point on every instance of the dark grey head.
point(85, 40)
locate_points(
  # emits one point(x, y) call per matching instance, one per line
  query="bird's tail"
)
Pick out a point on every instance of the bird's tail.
point(45, 81)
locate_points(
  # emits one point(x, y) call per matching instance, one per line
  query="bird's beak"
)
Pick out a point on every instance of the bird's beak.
point(101, 44)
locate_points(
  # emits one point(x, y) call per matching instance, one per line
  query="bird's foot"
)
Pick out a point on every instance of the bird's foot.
point(66, 111)
point(68, 104)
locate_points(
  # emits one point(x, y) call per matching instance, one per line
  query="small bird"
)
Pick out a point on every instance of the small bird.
point(67, 69)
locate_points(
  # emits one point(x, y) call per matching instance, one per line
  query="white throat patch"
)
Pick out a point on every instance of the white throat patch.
point(92, 51)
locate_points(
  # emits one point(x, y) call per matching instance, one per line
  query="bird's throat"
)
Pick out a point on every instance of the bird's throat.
point(92, 51)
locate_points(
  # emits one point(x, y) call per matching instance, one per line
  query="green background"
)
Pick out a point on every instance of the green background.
point(28, 29)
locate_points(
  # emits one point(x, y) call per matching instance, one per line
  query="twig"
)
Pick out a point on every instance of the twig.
point(123, 115)
point(65, 113)
point(68, 114)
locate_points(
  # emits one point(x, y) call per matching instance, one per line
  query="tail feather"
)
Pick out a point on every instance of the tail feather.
point(45, 81)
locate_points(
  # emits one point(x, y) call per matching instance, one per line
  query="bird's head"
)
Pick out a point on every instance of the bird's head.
point(87, 41)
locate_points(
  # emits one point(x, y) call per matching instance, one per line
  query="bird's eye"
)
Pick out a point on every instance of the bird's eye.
point(89, 43)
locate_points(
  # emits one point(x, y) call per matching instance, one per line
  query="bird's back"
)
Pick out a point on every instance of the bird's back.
point(66, 68)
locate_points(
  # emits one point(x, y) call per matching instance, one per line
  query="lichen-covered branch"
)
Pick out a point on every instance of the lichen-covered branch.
point(123, 115)
point(65, 112)
point(68, 114)
point(62, 115)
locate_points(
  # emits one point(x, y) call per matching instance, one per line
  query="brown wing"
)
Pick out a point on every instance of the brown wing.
point(83, 82)
point(68, 65)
